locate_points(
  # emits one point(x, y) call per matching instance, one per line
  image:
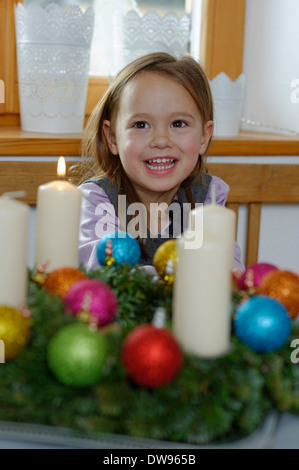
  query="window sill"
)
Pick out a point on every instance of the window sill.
point(15, 142)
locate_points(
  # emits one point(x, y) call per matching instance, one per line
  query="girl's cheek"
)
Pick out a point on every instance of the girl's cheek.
point(190, 145)
point(135, 147)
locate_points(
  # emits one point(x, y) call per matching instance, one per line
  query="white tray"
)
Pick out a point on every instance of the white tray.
point(31, 436)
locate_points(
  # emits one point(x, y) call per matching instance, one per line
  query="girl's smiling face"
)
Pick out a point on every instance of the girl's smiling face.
point(158, 134)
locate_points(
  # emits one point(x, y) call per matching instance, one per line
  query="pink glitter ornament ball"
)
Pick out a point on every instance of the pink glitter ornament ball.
point(92, 301)
point(253, 275)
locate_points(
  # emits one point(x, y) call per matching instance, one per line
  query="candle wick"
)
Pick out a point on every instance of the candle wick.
point(13, 194)
point(159, 317)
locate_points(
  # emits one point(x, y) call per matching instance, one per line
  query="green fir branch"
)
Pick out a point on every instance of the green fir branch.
point(210, 400)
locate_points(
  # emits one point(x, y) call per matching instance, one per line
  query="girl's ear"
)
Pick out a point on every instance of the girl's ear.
point(206, 136)
point(110, 136)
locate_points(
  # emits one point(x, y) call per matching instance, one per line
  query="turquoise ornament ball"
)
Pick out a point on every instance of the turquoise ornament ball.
point(262, 323)
point(118, 248)
point(77, 355)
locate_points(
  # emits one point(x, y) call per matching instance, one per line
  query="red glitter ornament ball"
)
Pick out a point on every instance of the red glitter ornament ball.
point(151, 356)
point(253, 275)
point(283, 286)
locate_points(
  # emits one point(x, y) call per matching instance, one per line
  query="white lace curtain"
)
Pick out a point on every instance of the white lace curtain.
point(101, 60)
point(116, 42)
point(123, 33)
point(271, 66)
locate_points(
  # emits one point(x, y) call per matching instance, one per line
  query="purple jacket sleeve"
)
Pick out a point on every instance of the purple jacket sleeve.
point(98, 218)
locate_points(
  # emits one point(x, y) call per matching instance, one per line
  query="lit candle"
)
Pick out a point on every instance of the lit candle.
point(202, 288)
point(57, 224)
point(14, 217)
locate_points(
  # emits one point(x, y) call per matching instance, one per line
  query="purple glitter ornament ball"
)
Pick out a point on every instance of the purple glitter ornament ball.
point(92, 301)
point(253, 275)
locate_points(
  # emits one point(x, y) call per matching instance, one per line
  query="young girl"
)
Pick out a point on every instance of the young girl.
point(146, 141)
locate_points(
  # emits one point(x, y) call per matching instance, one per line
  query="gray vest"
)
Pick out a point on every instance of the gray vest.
point(178, 212)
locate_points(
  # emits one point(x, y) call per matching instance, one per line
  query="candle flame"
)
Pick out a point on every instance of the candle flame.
point(61, 167)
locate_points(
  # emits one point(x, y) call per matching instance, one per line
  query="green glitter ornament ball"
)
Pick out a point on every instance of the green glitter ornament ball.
point(76, 355)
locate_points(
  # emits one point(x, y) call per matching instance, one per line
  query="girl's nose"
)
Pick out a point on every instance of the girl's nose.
point(160, 140)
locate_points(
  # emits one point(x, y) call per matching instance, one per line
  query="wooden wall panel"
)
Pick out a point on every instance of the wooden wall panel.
point(249, 183)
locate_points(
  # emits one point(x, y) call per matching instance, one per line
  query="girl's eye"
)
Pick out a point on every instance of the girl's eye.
point(141, 125)
point(178, 123)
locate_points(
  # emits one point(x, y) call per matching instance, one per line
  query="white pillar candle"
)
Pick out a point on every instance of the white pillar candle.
point(220, 222)
point(14, 222)
point(202, 288)
point(57, 225)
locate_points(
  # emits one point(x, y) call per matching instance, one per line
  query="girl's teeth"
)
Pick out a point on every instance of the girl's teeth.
point(160, 160)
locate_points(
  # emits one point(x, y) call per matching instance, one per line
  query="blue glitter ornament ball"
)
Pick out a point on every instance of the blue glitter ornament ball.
point(118, 248)
point(262, 323)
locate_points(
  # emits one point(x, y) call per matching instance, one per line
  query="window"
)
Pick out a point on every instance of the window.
point(101, 57)
point(222, 30)
point(105, 37)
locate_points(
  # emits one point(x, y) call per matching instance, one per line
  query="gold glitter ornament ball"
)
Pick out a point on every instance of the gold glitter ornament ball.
point(60, 280)
point(165, 261)
point(283, 286)
point(14, 331)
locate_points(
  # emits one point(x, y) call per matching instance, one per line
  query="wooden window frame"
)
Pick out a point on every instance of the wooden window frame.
point(222, 37)
point(219, 17)
point(221, 50)
point(9, 110)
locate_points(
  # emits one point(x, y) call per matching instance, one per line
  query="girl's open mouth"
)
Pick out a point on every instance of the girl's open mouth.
point(162, 163)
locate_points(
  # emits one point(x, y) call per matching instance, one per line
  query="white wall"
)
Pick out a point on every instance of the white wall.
point(271, 66)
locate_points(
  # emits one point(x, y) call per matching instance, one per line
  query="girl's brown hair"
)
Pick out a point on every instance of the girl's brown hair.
point(98, 161)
